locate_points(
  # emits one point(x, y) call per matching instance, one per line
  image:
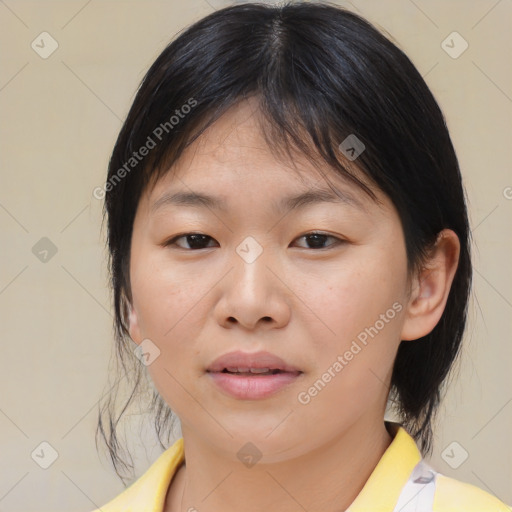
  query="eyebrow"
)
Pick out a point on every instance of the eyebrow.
point(285, 205)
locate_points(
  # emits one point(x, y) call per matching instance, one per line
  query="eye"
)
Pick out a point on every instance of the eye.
point(194, 240)
point(318, 239)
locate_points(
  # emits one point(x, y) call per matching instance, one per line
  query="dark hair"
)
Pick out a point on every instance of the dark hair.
point(320, 73)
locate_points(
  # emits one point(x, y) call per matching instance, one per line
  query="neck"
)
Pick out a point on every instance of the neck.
point(328, 478)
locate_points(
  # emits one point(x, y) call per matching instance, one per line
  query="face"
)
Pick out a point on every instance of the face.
point(321, 285)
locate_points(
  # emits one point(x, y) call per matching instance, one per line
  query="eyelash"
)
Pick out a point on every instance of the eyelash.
point(172, 241)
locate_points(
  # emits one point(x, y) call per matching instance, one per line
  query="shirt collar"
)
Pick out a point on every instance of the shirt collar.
point(149, 491)
point(382, 489)
point(379, 494)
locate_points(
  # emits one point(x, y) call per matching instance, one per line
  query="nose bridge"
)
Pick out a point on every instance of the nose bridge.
point(251, 263)
point(250, 250)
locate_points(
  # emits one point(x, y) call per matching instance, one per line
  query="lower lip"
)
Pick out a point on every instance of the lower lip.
point(253, 387)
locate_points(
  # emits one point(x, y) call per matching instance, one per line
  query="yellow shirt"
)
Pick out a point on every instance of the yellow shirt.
point(379, 494)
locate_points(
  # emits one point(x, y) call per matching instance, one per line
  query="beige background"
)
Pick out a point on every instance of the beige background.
point(59, 119)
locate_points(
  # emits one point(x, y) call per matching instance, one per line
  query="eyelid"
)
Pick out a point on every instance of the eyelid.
point(338, 240)
point(172, 240)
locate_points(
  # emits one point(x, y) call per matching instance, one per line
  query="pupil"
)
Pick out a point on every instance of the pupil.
point(196, 241)
point(318, 239)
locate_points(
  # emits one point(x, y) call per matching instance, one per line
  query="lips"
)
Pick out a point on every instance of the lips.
point(256, 363)
point(252, 376)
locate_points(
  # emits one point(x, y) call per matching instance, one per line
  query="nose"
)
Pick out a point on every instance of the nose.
point(254, 295)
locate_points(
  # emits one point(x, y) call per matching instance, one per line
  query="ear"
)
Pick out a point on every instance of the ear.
point(430, 288)
point(134, 328)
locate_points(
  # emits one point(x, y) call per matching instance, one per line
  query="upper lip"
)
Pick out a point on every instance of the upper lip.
point(239, 359)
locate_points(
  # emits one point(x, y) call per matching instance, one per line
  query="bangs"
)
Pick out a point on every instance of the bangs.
point(287, 134)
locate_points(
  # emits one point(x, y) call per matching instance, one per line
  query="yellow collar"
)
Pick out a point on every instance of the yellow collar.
point(382, 489)
point(379, 494)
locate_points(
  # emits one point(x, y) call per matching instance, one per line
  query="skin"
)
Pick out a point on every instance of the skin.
point(302, 301)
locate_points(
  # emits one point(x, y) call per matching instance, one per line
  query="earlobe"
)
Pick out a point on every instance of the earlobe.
point(133, 327)
point(431, 287)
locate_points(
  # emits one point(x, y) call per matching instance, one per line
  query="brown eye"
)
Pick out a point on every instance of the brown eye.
point(317, 240)
point(195, 241)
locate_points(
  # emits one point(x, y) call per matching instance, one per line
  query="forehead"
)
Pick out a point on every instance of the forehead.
point(233, 155)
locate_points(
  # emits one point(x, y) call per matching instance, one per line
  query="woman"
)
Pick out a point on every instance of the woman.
point(289, 251)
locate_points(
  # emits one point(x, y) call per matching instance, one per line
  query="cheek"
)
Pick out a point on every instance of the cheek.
point(359, 317)
point(347, 300)
point(355, 356)
point(164, 294)
point(171, 315)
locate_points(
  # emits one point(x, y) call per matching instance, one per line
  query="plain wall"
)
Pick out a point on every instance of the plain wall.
point(59, 120)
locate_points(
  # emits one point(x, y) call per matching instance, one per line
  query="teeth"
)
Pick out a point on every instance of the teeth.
point(260, 370)
point(248, 370)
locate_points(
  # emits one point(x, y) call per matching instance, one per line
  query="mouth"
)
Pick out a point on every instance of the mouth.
point(252, 376)
point(252, 371)
point(251, 363)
